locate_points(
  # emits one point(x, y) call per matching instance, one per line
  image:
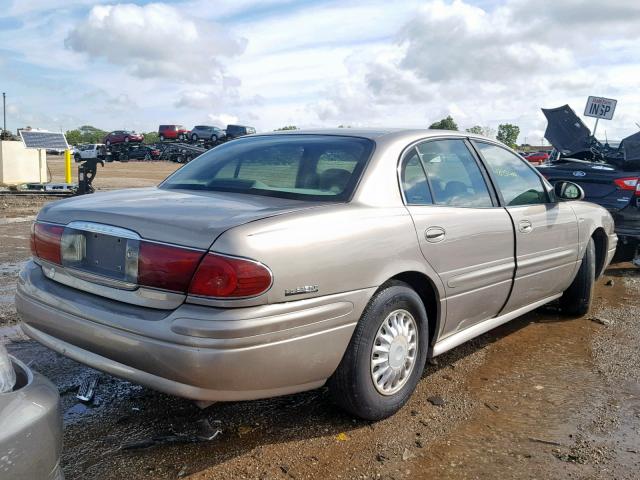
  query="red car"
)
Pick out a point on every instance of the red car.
point(122, 136)
point(537, 157)
point(172, 132)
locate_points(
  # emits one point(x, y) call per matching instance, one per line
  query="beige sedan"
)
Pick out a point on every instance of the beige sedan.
point(277, 263)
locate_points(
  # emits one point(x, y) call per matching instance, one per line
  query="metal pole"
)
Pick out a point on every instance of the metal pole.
point(67, 166)
point(595, 127)
point(4, 111)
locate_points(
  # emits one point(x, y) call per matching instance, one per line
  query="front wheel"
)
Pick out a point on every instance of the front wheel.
point(385, 358)
point(194, 137)
point(576, 299)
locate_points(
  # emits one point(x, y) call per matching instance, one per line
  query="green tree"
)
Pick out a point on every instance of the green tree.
point(508, 134)
point(74, 137)
point(286, 127)
point(151, 137)
point(445, 124)
point(85, 134)
point(480, 130)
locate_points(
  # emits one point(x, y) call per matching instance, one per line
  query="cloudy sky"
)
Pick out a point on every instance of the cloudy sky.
point(270, 63)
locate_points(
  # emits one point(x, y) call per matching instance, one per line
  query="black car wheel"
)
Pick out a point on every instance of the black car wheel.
point(576, 299)
point(386, 355)
point(126, 139)
point(194, 137)
point(107, 143)
point(162, 138)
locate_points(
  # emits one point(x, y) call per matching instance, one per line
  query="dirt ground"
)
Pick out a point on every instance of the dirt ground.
point(540, 397)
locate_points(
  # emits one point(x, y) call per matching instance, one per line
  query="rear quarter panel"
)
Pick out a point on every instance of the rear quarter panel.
point(590, 217)
point(337, 248)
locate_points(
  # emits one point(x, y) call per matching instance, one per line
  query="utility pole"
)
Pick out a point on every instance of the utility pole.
point(4, 111)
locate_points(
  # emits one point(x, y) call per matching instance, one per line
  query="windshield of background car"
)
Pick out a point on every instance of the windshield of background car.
point(304, 167)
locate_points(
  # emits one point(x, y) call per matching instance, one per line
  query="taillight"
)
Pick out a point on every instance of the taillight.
point(166, 267)
point(45, 242)
point(229, 277)
point(628, 183)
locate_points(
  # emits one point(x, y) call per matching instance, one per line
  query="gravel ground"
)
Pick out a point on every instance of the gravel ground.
point(541, 397)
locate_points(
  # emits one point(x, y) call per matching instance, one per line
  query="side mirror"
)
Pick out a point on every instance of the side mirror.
point(568, 191)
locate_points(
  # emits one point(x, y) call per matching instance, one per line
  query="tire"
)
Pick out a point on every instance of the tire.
point(147, 157)
point(352, 385)
point(126, 139)
point(108, 143)
point(124, 158)
point(194, 137)
point(162, 138)
point(576, 300)
point(214, 138)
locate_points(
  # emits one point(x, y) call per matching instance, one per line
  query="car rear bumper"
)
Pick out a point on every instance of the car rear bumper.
point(627, 221)
point(31, 433)
point(197, 352)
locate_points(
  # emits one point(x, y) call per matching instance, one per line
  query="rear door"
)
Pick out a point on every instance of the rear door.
point(546, 231)
point(464, 234)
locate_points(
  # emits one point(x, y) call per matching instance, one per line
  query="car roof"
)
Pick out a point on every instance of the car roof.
point(381, 134)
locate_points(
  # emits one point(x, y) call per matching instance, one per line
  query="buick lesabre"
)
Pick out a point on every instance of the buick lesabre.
point(277, 263)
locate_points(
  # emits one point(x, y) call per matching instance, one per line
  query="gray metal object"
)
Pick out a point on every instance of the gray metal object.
point(333, 254)
point(30, 428)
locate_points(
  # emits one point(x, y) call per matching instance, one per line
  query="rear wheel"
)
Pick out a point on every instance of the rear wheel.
point(194, 137)
point(576, 299)
point(386, 355)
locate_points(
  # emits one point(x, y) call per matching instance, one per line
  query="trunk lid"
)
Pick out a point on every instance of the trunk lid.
point(187, 218)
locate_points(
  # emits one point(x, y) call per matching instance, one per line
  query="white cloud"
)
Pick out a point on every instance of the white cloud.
point(155, 40)
point(223, 119)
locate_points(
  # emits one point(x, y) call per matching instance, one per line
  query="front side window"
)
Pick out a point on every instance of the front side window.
point(516, 180)
point(454, 175)
point(305, 167)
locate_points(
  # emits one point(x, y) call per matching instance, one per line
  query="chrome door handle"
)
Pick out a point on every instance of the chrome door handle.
point(525, 226)
point(434, 234)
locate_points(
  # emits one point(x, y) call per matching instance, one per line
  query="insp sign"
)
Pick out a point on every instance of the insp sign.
point(600, 107)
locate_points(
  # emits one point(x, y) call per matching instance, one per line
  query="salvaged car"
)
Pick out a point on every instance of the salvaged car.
point(277, 263)
point(608, 173)
point(30, 423)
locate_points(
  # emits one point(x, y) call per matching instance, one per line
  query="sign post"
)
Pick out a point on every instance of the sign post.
point(600, 107)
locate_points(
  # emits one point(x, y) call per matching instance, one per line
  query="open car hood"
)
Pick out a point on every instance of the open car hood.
point(565, 131)
point(572, 138)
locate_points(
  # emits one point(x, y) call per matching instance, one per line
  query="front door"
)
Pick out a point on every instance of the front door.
point(546, 230)
point(464, 235)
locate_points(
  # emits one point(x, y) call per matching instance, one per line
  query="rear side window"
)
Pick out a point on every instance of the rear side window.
point(454, 175)
point(314, 167)
point(414, 180)
point(516, 180)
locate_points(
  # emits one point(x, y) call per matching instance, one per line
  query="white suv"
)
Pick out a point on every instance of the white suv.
point(86, 152)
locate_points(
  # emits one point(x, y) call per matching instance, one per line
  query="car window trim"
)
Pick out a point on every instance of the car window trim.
point(495, 199)
point(473, 141)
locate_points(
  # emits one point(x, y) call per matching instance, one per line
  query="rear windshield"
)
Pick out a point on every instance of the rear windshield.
point(305, 167)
